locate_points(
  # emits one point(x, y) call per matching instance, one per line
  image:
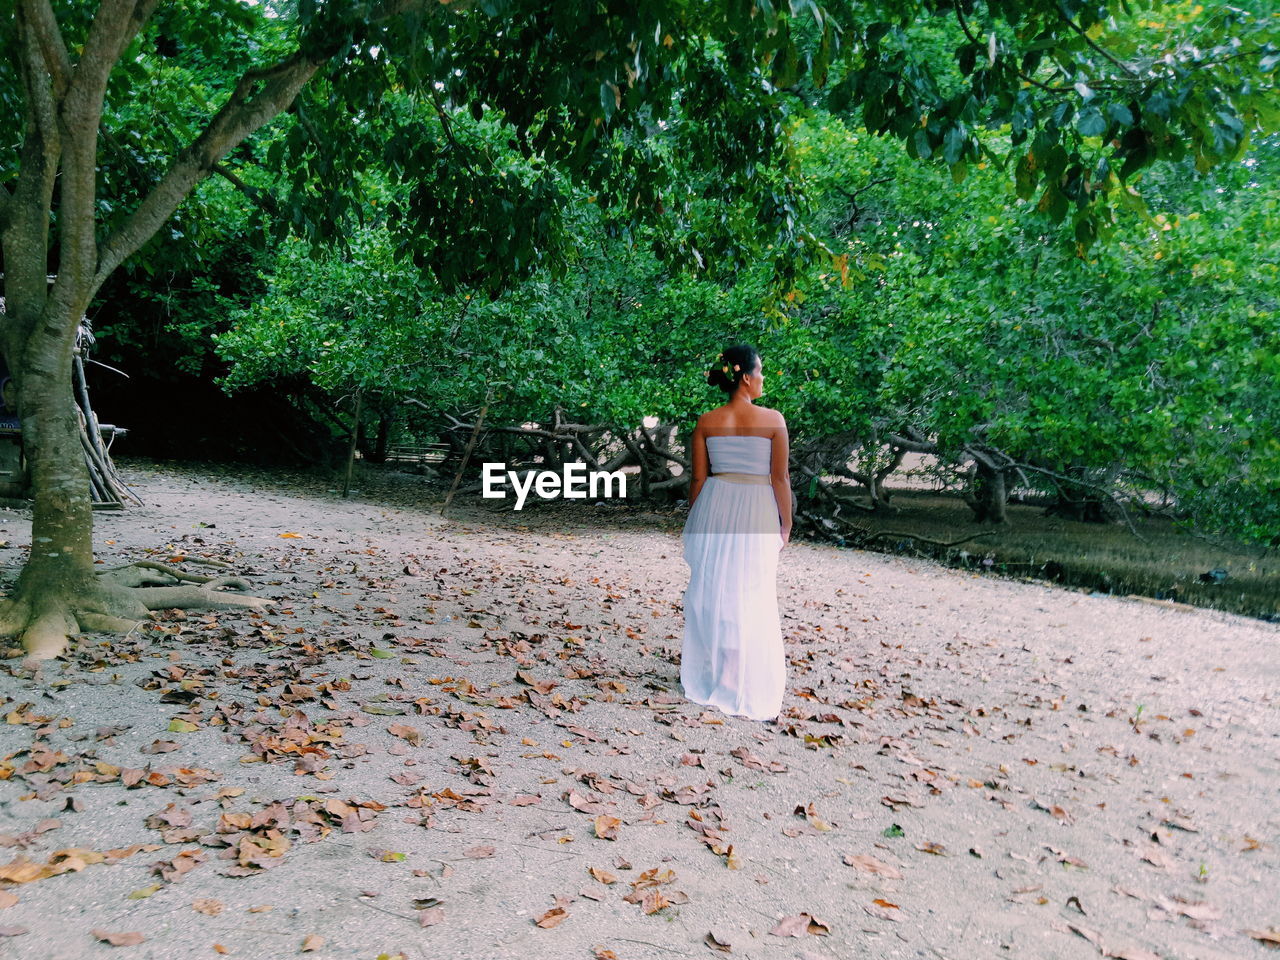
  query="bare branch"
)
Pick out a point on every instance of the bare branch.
point(229, 175)
point(912, 446)
point(1087, 39)
point(244, 112)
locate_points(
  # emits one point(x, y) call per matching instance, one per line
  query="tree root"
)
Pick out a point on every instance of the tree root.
point(201, 597)
point(118, 602)
point(135, 575)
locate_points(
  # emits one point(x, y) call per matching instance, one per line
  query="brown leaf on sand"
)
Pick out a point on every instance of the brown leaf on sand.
point(543, 687)
point(7, 899)
point(311, 941)
point(1094, 937)
point(731, 858)
point(207, 906)
point(406, 732)
point(132, 938)
point(159, 746)
point(607, 827)
point(13, 931)
point(430, 916)
point(552, 917)
point(1269, 937)
point(1195, 909)
point(800, 924)
point(811, 815)
point(654, 901)
point(1132, 953)
point(937, 849)
point(884, 910)
point(585, 805)
point(604, 876)
point(478, 853)
point(868, 864)
point(717, 942)
point(603, 953)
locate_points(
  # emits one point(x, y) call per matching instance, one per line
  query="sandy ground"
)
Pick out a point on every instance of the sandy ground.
point(964, 767)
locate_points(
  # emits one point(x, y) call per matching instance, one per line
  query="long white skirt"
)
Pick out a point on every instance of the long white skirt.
point(732, 655)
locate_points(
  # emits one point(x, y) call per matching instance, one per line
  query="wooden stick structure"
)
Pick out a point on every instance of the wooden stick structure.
point(466, 454)
point(106, 485)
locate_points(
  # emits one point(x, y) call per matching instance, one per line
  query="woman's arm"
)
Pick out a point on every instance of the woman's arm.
point(780, 478)
point(700, 465)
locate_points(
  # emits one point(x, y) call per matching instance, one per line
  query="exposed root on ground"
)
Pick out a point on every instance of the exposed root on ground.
point(118, 600)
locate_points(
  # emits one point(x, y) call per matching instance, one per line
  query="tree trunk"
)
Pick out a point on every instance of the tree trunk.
point(60, 567)
point(59, 592)
point(988, 494)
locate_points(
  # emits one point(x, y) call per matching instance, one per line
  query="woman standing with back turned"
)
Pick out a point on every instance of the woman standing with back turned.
point(739, 519)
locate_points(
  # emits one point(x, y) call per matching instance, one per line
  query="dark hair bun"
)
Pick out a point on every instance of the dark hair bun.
point(723, 374)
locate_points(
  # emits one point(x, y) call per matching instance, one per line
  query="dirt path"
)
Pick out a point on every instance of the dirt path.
point(965, 768)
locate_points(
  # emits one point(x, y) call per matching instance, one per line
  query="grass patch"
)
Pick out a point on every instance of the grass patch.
point(1161, 561)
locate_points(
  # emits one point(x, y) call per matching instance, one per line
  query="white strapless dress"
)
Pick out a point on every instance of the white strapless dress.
point(732, 656)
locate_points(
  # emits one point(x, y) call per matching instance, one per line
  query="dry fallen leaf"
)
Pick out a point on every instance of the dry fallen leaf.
point(800, 924)
point(406, 732)
point(552, 917)
point(478, 853)
point(311, 942)
point(868, 864)
point(604, 876)
point(132, 938)
point(811, 815)
point(430, 916)
point(717, 942)
point(207, 906)
point(1195, 909)
point(654, 901)
point(1269, 937)
point(884, 909)
point(607, 827)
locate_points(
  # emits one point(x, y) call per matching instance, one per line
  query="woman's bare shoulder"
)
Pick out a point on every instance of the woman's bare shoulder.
point(726, 416)
point(771, 417)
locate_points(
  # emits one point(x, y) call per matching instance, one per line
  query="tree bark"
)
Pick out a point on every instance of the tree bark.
point(988, 494)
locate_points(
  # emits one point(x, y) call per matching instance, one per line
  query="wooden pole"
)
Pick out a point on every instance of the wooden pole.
point(466, 454)
point(351, 449)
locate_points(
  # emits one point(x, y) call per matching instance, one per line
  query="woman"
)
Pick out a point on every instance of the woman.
point(739, 519)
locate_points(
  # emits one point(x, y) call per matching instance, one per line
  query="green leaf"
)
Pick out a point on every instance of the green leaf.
point(1091, 123)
